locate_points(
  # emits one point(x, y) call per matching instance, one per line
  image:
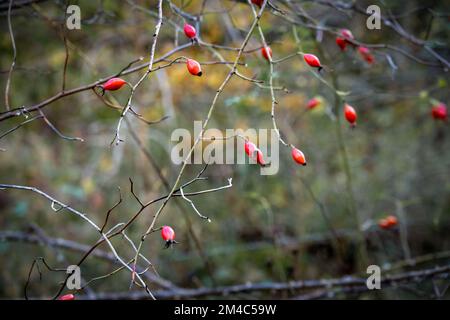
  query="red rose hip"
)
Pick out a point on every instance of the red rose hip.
point(260, 158)
point(366, 54)
point(350, 114)
point(113, 84)
point(312, 61)
point(312, 103)
point(298, 156)
point(388, 222)
point(392, 221)
point(439, 112)
point(266, 53)
point(250, 149)
point(341, 42)
point(189, 31)
point(167, 233)
point(67, 297)
point(194, 67)
point(345, 38)
point(168, 236)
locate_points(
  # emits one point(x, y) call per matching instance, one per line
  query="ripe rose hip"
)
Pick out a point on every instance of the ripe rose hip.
point(350, 114)
point(392, 221)
point(366, 54)
point(369, 59)
point(167, 233)
point(298, 156)
point(439, 112)
point(194, 67)
point(312, 61)
point(266, 52)
point(67, 297)
point(258, 2)
point(250, 149)
point(363, 51)
point(388, 222)
point(112, 84)
point(312, 103)
point(189, 31)
point(344, 38)
point(260, 158)
point(168, 236)
point(341, 42)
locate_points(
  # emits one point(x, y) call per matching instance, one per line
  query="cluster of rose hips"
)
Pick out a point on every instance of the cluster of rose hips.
point(346, 38)
point(255, 153)
point(297, 155)
point(438, 112)
point(193, 66)
point(313, 61)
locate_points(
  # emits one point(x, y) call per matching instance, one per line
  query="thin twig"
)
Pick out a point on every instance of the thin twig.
point(13, 63)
